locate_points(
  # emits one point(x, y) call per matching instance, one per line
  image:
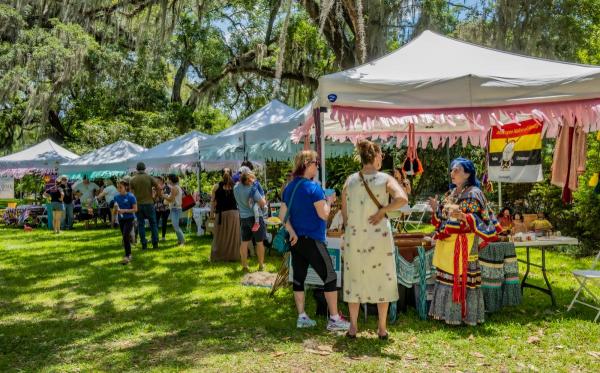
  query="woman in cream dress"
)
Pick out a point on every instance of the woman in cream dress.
point(369, 265)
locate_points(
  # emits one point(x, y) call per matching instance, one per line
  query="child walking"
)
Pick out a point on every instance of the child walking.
point(126, 207)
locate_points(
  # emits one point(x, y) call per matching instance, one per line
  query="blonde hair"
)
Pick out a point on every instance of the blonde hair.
point(367, 150)
point(246, 177)
point(301, 160)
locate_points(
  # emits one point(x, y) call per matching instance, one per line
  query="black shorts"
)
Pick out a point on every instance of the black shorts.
point(308, 251)
point(246, 230)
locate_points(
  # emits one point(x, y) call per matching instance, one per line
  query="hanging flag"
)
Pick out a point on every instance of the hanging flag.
point(515, 152)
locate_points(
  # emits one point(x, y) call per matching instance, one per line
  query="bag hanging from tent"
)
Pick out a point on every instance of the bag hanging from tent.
point(412, 164)
point(488, 186)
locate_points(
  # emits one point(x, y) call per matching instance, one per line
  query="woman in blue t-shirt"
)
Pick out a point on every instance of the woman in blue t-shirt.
point(309, 210)
point(125, 205)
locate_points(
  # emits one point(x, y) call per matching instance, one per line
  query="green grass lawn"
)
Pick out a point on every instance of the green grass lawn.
point(66, 304)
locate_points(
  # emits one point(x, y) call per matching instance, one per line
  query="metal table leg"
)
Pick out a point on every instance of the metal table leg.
point(524, 284)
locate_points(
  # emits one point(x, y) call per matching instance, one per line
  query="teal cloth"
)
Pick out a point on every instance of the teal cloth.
point(408, 273)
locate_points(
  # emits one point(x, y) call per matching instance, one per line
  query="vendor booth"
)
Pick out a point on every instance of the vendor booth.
point(108, 161)
point(43, 158)
point(436, 90)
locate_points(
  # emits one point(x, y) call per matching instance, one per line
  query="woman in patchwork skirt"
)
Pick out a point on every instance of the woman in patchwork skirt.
point(464, 224)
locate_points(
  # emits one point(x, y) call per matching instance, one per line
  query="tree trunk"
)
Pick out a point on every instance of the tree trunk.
point(375, 29)
point(178, 81)
point(56, 124)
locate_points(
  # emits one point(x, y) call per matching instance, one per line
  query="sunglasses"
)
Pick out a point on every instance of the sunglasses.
point(315, 162)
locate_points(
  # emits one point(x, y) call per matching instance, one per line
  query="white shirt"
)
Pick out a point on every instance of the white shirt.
point(87, 191)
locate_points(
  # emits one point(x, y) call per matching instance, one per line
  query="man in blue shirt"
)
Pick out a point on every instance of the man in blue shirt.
point(241, 192)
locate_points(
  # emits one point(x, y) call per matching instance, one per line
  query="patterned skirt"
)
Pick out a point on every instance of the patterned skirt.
point(443, 307)
point(500, 276)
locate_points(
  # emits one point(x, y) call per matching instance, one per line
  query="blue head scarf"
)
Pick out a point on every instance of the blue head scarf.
point(469, 168)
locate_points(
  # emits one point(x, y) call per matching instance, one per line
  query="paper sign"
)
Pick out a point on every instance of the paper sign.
point(7, 187)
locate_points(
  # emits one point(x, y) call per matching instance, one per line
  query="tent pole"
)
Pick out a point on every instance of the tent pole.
point(198, 170)
point(499, 196)
point(448, 155)
point(319, 116)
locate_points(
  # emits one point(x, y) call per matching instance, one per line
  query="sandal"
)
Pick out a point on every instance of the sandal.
point(384, 337)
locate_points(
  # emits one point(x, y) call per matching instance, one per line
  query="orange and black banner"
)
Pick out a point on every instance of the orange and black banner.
point(515, 152)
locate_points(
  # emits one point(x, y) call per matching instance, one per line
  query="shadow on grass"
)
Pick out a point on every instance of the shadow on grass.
point(172, 307)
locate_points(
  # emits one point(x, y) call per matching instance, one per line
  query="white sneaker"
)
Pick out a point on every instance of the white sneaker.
point(305, 322)
point(340, 324)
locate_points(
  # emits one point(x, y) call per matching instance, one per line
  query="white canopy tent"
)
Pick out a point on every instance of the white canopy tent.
point(110, 160)
point(453, 89)
point(177, 154)
point(43, 157)
point(240, 141)
point(268, 139)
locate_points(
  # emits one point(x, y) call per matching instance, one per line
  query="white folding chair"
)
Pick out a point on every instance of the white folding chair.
point(584, 277)
point(398, 218)
point(417, 213)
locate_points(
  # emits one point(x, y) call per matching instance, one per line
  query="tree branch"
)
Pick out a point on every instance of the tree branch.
point(344, 53)
point(272, 16)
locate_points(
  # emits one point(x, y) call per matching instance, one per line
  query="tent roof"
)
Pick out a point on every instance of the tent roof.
point(270, 123)
point(113, 158)
point(435, 71)
point(273, 112)
point(267, 141)
point(182, 150)
point(437, 81)
point(43, 156)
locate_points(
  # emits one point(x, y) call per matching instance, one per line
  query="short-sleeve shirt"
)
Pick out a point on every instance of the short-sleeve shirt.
point(125, 202)
point(303, 214)
point(68, 192)
point(87, 192)
point(241, 193)
point(111, 191)
point(55, 194)
point(141, 186)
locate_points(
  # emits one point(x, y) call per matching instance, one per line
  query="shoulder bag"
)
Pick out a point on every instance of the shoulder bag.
point(281, 241)
point(375, 200)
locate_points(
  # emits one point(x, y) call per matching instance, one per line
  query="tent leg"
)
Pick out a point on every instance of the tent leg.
point(198, 180)
point(499, 196)
point(321, 140)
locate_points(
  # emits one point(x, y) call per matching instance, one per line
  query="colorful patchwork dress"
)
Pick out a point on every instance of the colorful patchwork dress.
point(457, 296)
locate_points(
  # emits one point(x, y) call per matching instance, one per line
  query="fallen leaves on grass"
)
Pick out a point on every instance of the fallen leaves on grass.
point(534, 339)
point(450, 364)
point(595, 354)
point(278, 353)
point(410, 357)
point(317, 352)
point(325, 348)
point(478, 354)
point(471, 337)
